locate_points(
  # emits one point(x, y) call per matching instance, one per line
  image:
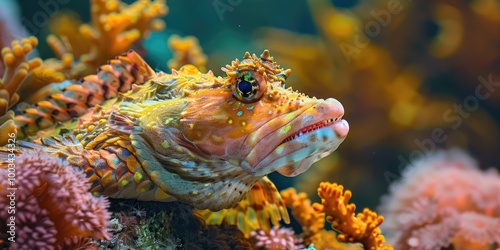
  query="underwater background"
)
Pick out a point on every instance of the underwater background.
point(413, 76)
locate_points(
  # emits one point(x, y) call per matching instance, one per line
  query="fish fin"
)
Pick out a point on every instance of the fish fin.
point(123, 123)
point(261, 207)
point(62, 145)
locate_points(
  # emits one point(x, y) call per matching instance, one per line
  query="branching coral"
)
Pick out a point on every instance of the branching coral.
point(362, 227)
point(312, 222)
point(186, 51)
point(17, 67)
point(442, 200)
point(114, 28)
point(53, 207)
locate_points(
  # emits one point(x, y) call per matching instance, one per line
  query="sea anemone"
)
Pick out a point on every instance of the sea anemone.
point(444, 199)
point(52, 205)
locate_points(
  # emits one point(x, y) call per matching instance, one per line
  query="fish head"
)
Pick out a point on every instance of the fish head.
point(251, 120)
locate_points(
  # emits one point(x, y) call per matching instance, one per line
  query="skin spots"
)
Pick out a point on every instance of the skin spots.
point(243, 123)
point(165, 144)
point(217, 139)
point(138, 177)
point(168, 120)
point(279, 149)
point(123, 183)
point(250, 107)
point(240, 113)
point(285, 129)
point(230, 121)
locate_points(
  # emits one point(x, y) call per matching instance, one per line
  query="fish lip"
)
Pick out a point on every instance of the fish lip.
point(305, 118)
point(313, 127)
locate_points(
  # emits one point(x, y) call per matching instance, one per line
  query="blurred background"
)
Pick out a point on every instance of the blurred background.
point(413, 76)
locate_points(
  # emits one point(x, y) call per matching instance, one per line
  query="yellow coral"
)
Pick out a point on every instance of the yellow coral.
point(114, 28)
point(186, 51)
point(17, 68)
point(361, 228)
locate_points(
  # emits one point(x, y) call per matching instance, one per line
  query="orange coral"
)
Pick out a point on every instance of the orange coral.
point(312, 222)
point(362, 227)
point(114, 28)
point(186, 50)
point(17, 68)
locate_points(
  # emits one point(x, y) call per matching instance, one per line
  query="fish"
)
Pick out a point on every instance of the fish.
point(209, 141)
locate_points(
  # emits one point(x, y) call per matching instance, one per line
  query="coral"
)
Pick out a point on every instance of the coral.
point(7, 127)
point(362, 227)
point(16, 70)
point(53, 208)
point(114, 28)
point(10, 25)
point(278, 239)
point(311, 221)
point(444, 199)
point(186, 51)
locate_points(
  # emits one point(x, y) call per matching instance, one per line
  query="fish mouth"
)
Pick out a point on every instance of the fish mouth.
point(310, 129)
point(294, 141)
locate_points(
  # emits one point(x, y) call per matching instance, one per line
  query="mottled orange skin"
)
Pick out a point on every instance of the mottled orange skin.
point(222, 125)
point(219, 122)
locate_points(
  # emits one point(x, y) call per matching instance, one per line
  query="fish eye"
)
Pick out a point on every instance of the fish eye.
point(249, 87)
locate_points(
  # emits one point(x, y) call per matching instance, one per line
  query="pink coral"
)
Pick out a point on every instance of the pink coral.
point(443, 199)
point(277, 238)
point(53, 208)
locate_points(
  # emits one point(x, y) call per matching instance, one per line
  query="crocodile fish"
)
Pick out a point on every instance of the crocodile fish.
point(189, 136)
